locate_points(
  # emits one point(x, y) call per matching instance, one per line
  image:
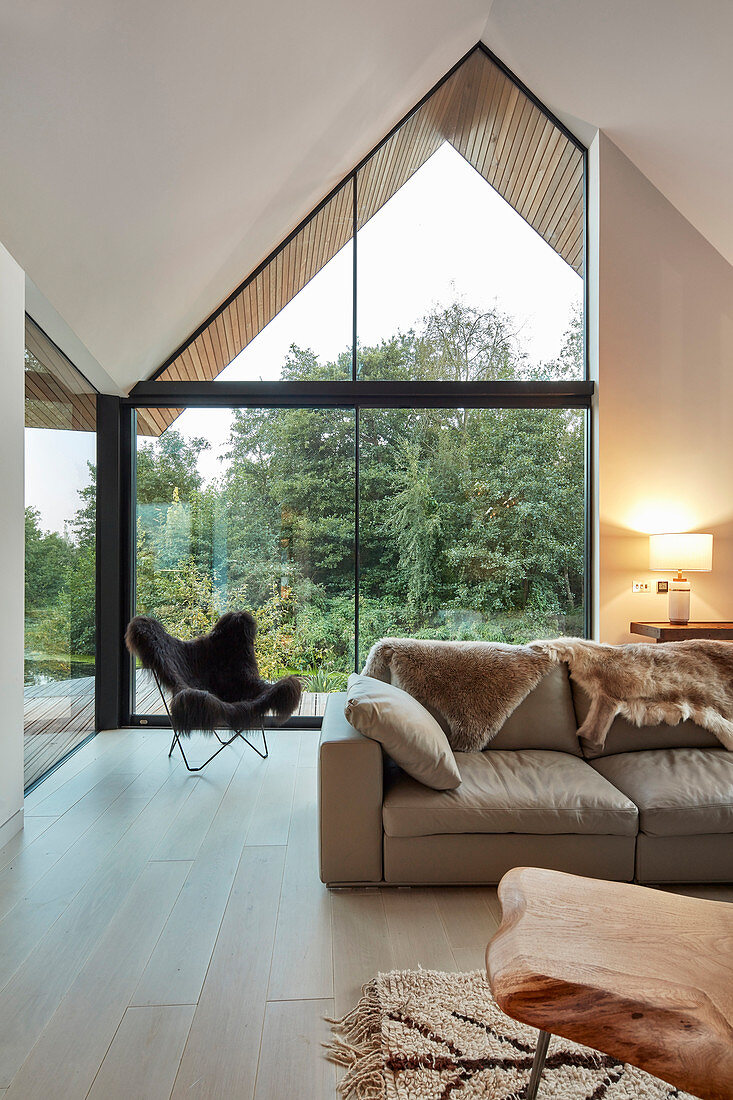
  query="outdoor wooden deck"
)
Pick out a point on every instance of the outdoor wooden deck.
point(59, 715)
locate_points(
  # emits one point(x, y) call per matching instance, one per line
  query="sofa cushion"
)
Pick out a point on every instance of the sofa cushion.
point(624, 736)
point(679, 792)
point(517, 791)
point(404, 728)
point(544, 720)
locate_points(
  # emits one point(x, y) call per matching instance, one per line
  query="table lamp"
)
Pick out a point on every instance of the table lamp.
point(680, 553)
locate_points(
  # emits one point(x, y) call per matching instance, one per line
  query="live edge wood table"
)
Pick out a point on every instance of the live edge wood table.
point(668, 632)
point(639, 974)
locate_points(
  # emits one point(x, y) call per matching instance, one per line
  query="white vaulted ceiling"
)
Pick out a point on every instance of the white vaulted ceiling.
point(151, 154)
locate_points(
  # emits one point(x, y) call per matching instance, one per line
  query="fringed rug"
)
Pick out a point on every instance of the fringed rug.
point(423, 1035)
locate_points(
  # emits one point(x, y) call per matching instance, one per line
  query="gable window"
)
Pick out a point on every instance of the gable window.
point(384, 429)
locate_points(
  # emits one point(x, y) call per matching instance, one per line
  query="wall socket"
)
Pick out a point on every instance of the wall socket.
point(641, 586)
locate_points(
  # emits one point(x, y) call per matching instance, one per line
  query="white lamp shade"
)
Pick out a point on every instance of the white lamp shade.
point(691, 553)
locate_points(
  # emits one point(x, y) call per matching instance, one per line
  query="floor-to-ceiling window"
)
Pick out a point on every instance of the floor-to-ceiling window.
point(434, 303)
point(269, 526)
point(60, 548)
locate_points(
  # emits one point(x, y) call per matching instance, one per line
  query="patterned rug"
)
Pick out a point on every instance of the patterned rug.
point(423, 1035)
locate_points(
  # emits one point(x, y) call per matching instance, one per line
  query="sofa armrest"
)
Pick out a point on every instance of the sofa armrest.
point(350, 794)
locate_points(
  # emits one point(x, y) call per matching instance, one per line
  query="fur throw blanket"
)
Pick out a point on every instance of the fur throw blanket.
point(471, 688)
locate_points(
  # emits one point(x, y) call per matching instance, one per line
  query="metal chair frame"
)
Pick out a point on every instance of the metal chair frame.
point(222, 743)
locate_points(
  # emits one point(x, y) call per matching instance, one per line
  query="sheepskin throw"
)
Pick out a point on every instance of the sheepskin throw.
point(473, 687)
point(424, 1035)
point(470, 688)
point(649, 684)
point(214, 680)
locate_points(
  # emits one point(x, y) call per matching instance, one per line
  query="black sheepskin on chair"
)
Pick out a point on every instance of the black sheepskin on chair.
point(214, 680)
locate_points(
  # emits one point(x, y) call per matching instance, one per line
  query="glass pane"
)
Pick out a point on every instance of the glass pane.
point(252, 509)
point(471, 524)
point(453, 285)
point(60, 547)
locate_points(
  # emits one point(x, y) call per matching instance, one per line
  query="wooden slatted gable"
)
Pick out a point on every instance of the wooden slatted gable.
point(153, 422)
point(520, 152)
point(491, 122)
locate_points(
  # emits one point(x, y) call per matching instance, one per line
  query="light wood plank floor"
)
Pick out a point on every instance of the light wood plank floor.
point(165, 935)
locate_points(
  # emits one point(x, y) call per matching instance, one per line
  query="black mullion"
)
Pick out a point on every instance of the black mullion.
point(354, 228)
point(354, 372)
point(357, 546)
point(129, 543)
point(108, 670)
point(589, 542)
point(374, 394)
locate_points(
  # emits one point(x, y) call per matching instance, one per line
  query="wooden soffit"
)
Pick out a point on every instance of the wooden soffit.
point(499, 129)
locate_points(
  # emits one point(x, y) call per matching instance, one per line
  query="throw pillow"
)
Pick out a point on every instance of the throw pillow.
point(405, 729)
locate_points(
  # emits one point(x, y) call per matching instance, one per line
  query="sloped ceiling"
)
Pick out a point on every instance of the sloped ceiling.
point(656, 76)
point(152, 154)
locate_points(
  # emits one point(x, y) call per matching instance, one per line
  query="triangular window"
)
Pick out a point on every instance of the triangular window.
point(476, 198)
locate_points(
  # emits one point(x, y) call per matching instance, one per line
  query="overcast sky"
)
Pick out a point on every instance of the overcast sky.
point(445, 234)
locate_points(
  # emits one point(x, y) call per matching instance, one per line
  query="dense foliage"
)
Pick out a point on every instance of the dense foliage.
point(470, 521)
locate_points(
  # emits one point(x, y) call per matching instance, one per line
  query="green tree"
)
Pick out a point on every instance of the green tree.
point(48, 559)
point(168, 463)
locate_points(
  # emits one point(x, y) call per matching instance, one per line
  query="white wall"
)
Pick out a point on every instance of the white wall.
point(12, 343)
point(665, 394)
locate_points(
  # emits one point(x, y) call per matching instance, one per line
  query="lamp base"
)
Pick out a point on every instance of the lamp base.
point(679, 602)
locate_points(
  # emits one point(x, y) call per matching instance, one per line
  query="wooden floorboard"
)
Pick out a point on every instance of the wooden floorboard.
point(166, 935)
point(106, 982)
point(145, 1054)
point(291, 1060)
point(223, 1045)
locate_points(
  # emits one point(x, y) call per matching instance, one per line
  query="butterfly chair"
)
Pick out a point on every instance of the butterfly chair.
point(214, 681)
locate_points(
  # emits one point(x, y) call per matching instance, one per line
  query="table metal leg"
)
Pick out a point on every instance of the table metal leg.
point(538, 1064)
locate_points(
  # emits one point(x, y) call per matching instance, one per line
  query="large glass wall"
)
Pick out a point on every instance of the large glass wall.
point(453, 255)
point(466, 523)
point(60, 569)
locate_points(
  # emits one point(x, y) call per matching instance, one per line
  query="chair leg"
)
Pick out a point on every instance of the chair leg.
point(262, 755)
point(221, 748)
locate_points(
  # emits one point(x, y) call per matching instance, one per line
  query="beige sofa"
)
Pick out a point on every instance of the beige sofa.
point(655, 806)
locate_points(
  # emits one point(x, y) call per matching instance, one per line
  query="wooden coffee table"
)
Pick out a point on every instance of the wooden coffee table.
point(639, 974)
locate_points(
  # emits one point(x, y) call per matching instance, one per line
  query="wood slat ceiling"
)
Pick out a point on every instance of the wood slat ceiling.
point(491, 122)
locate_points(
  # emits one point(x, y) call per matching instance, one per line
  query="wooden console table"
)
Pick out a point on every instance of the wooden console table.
point(668, 632)
point(639, 974)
